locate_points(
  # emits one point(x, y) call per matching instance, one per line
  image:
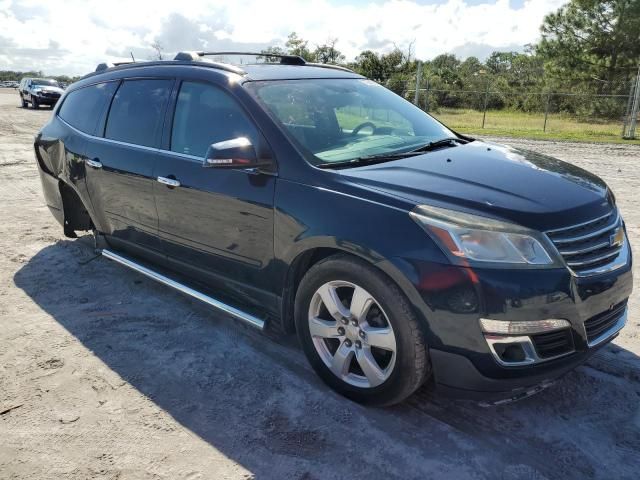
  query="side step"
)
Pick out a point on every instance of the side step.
point(234, 312)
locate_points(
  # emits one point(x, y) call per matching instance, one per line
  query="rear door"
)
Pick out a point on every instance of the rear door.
point(120, 161)
point(218, 222)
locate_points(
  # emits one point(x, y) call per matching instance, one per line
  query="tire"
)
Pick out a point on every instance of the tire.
point(24, 103)
point(388, 321)
point(35, 104)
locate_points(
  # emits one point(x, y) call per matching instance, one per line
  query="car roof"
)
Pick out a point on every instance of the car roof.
point(245, 72)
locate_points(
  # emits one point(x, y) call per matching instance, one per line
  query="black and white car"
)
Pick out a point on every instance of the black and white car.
point(39, 91)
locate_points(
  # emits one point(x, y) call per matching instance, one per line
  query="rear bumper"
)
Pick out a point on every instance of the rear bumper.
point(51, 192)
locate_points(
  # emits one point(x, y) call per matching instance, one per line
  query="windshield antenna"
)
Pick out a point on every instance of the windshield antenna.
point(134, 60)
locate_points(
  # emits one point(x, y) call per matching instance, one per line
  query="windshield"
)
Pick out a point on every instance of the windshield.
point(337, 120)
point(41, 81)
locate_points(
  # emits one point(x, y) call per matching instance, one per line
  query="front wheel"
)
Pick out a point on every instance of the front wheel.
point(35, 104)
point(359, 332)
point(24, 103)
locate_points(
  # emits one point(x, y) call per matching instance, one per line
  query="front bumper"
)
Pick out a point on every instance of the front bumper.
point(455, 298)
point(46, 99)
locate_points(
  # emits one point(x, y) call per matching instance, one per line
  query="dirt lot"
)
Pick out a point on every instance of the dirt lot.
point(104, 374)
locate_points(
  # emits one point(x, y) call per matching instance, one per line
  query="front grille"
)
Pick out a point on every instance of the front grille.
point(599, 324)
point(589, 245)
point(553, 344)
point(50, 94)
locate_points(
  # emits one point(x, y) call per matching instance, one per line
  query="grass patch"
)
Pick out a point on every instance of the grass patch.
point(529, 125)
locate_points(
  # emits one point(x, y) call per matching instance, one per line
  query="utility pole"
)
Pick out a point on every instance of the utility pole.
point(546, 112)
point(416, 97)
point(486, 103)
point(426, 95)
point(633, 122)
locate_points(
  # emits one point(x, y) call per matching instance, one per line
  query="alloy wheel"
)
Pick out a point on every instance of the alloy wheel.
point(352, 334)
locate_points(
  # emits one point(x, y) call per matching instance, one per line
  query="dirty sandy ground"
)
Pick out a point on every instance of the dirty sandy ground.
point(104, 374)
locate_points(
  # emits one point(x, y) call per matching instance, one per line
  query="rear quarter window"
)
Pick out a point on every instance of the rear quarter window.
point(137, 111)
point(83, 108)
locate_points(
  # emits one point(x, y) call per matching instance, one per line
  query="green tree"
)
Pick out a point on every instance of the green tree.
point(328, 53)
point(592, 38)
point(298, 46)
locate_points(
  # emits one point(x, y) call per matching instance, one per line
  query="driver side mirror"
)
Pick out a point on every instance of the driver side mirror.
point(235, 153)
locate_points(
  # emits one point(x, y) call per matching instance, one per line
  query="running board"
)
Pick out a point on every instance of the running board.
point(234, 312)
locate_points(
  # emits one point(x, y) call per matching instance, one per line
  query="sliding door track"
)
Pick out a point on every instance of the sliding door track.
point(158, 277)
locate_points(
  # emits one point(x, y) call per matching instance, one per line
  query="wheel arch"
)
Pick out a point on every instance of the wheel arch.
point(311, 254)
point(76, 215)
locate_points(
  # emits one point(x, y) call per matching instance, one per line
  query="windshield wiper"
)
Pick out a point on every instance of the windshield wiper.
point(445, 142)
point(367, 160)
point(387, 157)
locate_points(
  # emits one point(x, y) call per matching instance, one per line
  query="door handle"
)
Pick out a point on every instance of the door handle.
point(94, 163)
point(169, 182)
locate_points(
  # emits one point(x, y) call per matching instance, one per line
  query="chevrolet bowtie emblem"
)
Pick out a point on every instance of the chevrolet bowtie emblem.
point(617, 239)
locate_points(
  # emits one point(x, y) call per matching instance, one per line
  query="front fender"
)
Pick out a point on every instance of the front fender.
point(308, 218)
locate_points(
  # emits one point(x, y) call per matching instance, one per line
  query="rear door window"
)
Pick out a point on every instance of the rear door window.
point(204, 115)
point(83, 108)
point(137, 111)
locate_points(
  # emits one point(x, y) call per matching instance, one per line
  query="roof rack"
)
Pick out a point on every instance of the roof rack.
point(330, 65)
point(284, 59)
point(191, 56)
point(105, 66)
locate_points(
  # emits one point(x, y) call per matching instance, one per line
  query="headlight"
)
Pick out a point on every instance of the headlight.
point(467, 238)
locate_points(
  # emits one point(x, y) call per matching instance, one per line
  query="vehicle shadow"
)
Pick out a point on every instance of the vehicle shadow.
point(256, 400)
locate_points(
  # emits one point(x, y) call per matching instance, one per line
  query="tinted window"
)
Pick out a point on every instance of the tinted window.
point(137, 111)
point(82, 108)
point(205, 115)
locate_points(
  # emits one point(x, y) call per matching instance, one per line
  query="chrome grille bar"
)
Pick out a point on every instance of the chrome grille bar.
point(587, 236)
point(587, 247)
point(582, 251)
point(592, 260)
point(579, 225)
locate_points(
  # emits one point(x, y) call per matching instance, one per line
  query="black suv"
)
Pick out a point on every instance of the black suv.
point(305, 198)
point(39, 91)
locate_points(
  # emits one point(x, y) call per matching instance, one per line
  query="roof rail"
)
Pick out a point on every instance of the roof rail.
point(330, 65)
point(187, 56)
point(284, 59)
point(105, 65)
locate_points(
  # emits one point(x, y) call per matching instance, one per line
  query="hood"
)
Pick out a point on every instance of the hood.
point(493, 180)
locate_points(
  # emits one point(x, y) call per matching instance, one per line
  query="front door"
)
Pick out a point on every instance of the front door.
point(217, 222)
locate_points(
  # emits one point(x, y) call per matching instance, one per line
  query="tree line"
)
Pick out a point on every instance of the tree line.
point(588, 48)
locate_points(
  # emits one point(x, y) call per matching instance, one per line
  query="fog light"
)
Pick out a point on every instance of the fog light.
point(527, 327)
point(510, 352)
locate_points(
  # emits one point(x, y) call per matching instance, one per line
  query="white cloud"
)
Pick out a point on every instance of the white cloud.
point(73, 36)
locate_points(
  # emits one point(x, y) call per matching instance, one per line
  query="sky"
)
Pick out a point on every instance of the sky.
point(73, 36)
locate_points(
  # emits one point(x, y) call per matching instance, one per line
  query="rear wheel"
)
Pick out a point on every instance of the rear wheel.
point(359, 332)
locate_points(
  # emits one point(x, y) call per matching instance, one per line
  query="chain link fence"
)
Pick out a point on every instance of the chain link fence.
point(569, 115)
